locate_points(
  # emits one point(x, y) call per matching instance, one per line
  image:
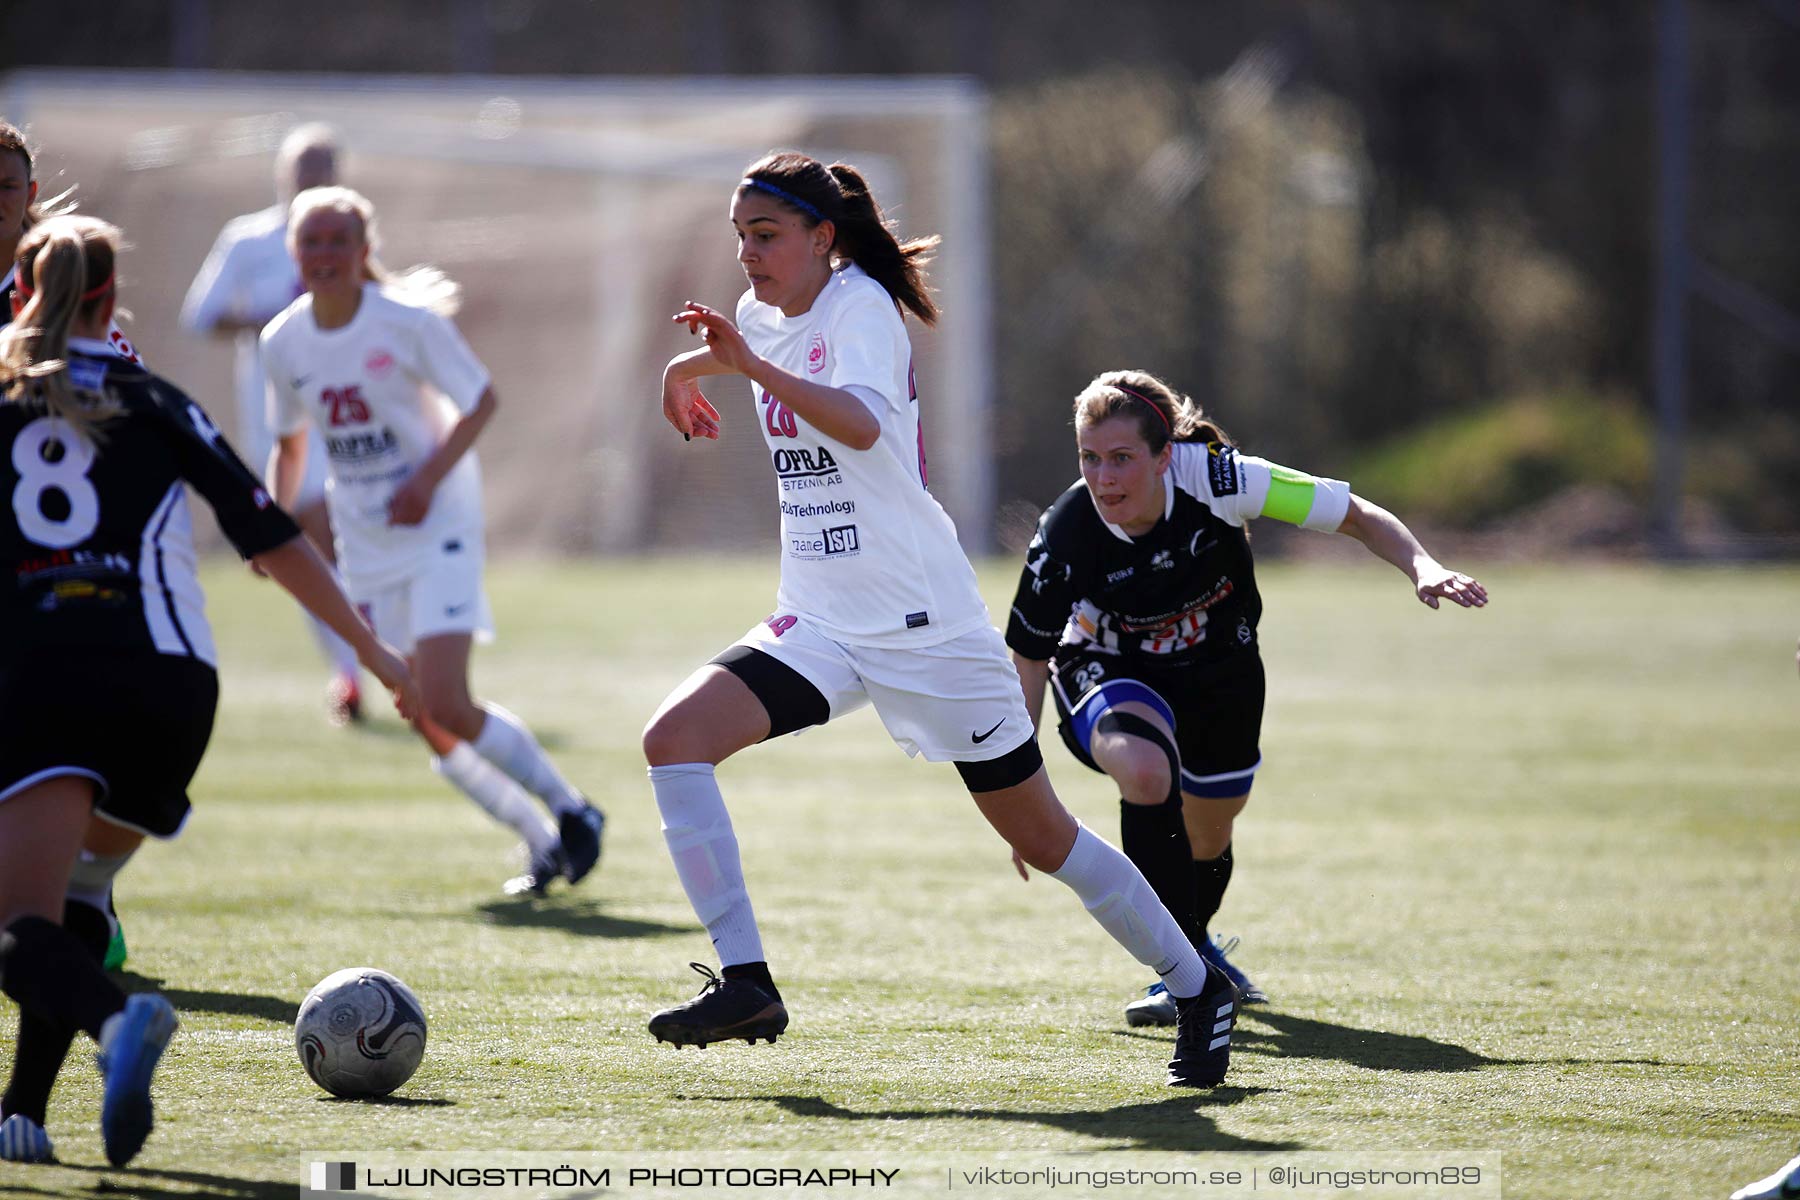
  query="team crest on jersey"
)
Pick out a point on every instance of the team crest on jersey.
point(1221, 468)
point(815, 354)
point(379, 363)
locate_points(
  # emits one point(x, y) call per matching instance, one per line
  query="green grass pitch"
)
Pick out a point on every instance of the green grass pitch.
point(1520, 880)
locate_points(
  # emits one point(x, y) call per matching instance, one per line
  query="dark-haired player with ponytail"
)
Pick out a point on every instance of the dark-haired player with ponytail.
point(1138, 606)
point(108, 682)
point(877, 603)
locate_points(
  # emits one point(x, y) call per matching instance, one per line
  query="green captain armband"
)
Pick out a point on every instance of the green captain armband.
point(1301, 499)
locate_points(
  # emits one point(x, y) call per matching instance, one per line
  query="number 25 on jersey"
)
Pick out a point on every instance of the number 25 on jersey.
point(345, 405)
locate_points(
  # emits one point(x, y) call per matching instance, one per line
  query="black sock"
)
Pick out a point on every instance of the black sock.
point(755, 972)
point(1155, 840)
point(1211, 877)
point(51, 974)
point(43, 1045)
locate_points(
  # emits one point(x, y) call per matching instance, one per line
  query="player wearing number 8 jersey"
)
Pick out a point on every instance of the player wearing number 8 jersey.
point(107, 672)
point(1138, 605)
point(877, 604)
point(372, 361)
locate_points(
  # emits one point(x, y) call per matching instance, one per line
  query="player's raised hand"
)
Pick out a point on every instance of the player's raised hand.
point(1438, 582)
point(722, 337)
point(686, 408)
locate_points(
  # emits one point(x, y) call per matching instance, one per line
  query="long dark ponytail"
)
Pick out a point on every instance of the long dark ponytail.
point(839, 194)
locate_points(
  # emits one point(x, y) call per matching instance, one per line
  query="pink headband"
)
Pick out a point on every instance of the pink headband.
point(1155, 408)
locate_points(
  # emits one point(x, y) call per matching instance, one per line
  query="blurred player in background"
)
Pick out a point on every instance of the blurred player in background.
point(1138, 605)
point(372, 362)
point(877, 603)
point(248, 278)
point(108, 679)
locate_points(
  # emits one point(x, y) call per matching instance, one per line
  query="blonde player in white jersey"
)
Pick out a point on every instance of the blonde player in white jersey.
point(373, 362)
point(877, 602)
point(248, 278)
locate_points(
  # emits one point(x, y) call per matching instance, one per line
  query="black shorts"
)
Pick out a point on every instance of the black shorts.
point(136, 724)
point(1215, 709)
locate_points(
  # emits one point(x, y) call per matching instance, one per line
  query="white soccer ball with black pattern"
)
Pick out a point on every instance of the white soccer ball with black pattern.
point(360, 1033)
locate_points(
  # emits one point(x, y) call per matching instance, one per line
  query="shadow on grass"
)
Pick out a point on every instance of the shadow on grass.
point(1283, 1035)
point(1178, 1123)
point(267, 1008)
point(141, 1184)
point(1289, 1036)
point(389, 1101)
point(583, 918)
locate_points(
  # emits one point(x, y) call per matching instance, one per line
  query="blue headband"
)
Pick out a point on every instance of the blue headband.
point(784, 197)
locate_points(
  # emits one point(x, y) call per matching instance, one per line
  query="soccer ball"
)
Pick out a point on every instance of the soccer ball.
point(360, 1033)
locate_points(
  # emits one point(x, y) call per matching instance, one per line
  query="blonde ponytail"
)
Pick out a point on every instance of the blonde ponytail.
point(65, 271)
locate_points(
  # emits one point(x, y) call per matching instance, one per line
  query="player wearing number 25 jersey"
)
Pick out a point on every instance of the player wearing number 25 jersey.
point(383, 391)
point(371, 361)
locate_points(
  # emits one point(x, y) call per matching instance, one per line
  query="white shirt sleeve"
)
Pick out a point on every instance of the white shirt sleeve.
point(286, 412)
point(213, 294)
point(866, 348)
point(447, 362)
point(1238, 487)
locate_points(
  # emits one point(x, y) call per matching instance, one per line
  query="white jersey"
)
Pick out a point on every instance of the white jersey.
point(866, 552)
point(248, 276)
point(384, 391)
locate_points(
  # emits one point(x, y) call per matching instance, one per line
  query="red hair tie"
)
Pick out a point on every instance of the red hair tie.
point(1155, 408)
point(94, 293)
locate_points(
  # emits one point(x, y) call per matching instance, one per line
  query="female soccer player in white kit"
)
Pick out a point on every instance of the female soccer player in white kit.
point(374, 363)
point(877, 603)
point(249, 277)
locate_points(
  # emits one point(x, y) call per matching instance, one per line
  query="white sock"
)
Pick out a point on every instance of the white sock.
point(503, 799)
point(705, 850)
point(1120, 898)
point(505, 742)
point(336, 650)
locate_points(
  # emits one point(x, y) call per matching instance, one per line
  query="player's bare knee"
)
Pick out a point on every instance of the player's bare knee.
point(1144, 778)
point(669, 739)
point(450, 707)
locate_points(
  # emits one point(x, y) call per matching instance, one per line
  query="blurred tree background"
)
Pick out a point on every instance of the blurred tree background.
point(1408, 243)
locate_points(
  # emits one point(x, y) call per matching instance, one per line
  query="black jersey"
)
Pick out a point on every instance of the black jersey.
point(1185, 592)
point(96, 540)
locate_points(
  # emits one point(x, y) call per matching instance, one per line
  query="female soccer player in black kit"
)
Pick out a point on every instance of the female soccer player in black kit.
point(107, 676)
point(1138, 605)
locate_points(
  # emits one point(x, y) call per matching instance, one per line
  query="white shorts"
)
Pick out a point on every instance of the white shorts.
point(445, 596)
point(956, 701)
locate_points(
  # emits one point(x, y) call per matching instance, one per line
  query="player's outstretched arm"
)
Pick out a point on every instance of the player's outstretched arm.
point(1387, 537)
point(296, 566)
